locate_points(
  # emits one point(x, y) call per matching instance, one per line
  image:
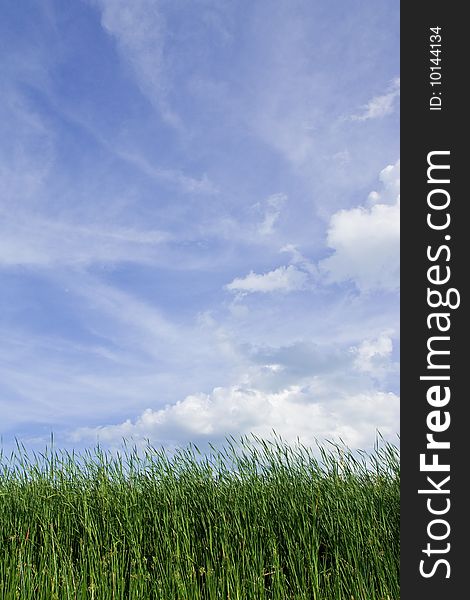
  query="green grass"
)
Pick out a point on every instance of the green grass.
point(255, 520)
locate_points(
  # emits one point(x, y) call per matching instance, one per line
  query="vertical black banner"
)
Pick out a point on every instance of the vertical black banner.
point(434, 405)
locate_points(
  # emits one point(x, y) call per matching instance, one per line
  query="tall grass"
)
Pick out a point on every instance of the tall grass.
point(253, 520)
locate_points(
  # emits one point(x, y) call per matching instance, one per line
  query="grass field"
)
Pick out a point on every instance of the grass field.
point(253, 520)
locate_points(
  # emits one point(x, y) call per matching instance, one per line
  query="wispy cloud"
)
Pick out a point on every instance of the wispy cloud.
point(178, 204)
point(380, 106)
point(41, 242)
point(272, 213)
point(139, 30)
point(283, 279)
point(186, 183)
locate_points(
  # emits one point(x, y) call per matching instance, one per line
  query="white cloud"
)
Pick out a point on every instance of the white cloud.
point(282, 279)
point(298, 259)
point(293, 412)
point(34, 241)
point(274, 205)
point(131, 356)
point(27, 151)
point(380, 106)
point(390, 190)
point(366, 241)
point(300, 391)
point(373, 356)
point(188, 184)
point(139, 30)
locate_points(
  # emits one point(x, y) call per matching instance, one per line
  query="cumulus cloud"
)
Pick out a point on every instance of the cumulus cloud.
point(293, 412)
point(282, 279)
point(366, 240)
point(373, 356)
point(380, 106)
point(390, 190)
point(300, 390)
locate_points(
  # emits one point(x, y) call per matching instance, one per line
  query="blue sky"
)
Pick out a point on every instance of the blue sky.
point(199, 220)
